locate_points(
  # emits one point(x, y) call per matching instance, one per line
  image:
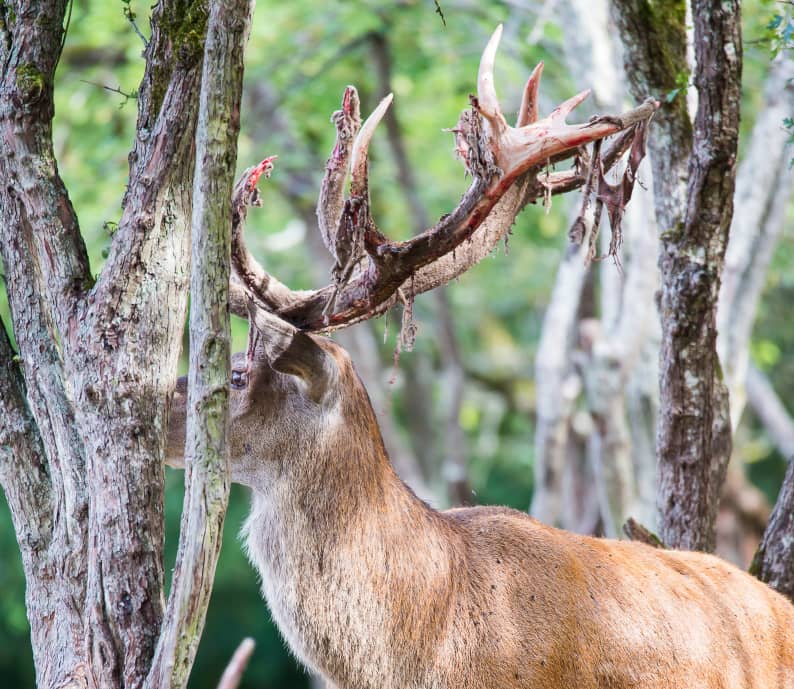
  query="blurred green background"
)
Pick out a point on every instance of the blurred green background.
point(299, 59)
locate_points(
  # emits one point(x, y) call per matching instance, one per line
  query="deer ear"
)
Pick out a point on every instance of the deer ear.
point(307, 360)
point(290, 351)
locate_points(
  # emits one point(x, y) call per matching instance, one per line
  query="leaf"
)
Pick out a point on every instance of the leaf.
point(775, 22)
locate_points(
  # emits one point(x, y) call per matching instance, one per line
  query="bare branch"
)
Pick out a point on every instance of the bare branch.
point(34, 202)
point(24, 474)
point(206, 453)
point(637, 532)
point(236, 667)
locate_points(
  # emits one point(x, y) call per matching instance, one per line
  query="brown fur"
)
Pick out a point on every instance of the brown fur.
point(373, 589)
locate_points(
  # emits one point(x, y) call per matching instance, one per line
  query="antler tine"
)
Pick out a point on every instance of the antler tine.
point(528, 112)
point(355, 221)
point(257, 283)
point(332, 191)
point(487, 102)
point(566, 107)
point(358, 158)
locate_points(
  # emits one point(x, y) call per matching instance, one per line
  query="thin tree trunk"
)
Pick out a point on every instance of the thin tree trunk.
point(774, 561)
point(693, 185)
point(764, 187)
point(558, 385)
point(771, 412)
point(207, 453)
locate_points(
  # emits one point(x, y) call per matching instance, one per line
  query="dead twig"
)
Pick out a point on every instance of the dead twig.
point(637, 532)
point(234, 670)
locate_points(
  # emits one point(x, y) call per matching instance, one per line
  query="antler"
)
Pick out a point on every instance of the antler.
point(509, 167)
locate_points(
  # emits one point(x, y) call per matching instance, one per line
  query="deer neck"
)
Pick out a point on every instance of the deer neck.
point(346, 495)
point(345, 558)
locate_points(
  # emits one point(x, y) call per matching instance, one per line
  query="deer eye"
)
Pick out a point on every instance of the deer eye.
point(239, 379)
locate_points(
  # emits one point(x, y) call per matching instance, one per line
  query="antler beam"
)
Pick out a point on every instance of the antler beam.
point(509, 168)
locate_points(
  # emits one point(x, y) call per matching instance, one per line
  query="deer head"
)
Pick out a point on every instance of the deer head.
point(284, 401)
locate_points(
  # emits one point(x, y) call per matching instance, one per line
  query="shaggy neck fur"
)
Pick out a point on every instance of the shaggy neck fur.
point(352, 562)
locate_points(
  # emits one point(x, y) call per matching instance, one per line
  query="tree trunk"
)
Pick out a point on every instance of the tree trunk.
point(774, 561)
point(207, 477)
point(85, 416)
point(764, 187)
point(694, 173)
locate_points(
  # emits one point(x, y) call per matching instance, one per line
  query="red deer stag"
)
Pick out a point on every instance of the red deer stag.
point(373, 589)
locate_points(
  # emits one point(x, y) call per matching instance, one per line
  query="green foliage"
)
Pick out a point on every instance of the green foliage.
point(16, 657)
point(780, 32)
point(778, 37)
point(682, 85)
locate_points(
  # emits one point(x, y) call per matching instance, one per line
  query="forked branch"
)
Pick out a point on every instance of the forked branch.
point(509, 166)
